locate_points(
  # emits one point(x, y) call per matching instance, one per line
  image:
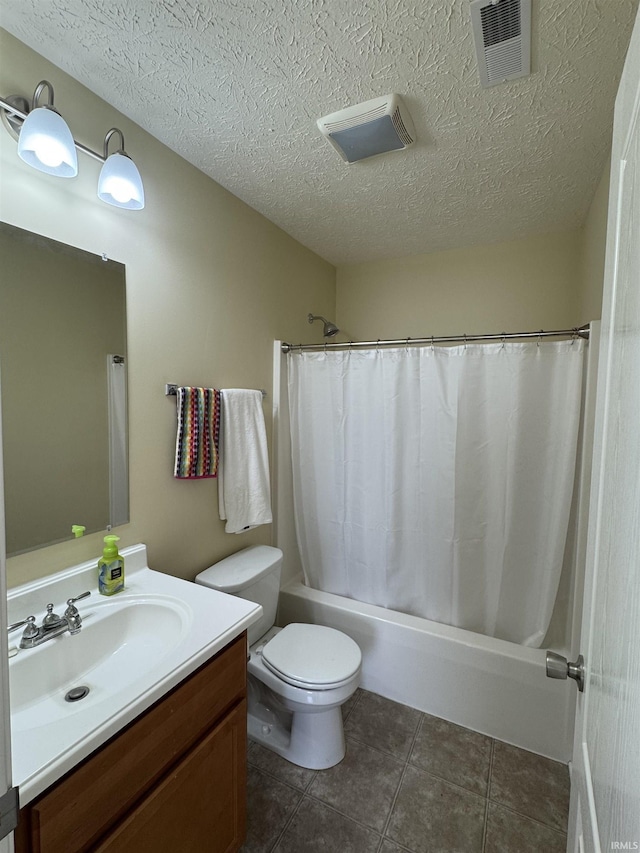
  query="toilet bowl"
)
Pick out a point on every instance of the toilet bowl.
point(299, 676)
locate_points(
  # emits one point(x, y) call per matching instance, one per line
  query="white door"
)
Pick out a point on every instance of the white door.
point(605, 796)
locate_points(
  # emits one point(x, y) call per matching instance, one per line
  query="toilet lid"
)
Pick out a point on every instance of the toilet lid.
point(312, 655)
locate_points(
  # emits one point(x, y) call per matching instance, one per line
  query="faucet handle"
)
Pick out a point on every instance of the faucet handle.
point(31, 629)
point(71, 614)
point(72, 611)
point(30, 620)
point(71, 601)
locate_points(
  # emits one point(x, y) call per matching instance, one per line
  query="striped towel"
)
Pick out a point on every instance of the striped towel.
point(198, 430)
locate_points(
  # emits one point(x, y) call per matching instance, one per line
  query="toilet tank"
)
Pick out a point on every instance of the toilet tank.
point(254, 574)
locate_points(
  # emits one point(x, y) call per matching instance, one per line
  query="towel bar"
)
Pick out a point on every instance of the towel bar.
point(171, 390)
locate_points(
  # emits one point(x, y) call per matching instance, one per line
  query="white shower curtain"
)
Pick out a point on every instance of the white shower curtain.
point(438, 481)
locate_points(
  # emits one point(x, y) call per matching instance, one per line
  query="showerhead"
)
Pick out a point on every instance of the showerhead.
point(330, 329)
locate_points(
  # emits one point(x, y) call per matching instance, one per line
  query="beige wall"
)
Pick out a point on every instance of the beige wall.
point(210, 285)
point(519, 285)
point(545, 281)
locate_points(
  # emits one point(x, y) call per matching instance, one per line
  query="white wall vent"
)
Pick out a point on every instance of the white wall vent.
point(502, 35)
point(374, 127)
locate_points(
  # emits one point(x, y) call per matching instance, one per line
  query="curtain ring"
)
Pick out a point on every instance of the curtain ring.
point(504, 338)
point(574, 336)
point(432, 344)
point(378, 345)
point(325, 347)
point(539, 337)
point(465, 339)
point(407, 344)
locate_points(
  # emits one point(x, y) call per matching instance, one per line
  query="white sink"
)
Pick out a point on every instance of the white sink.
point(120, 642)
point(132, 649)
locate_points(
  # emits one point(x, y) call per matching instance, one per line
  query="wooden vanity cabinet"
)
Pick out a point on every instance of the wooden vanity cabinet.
point(173, 780)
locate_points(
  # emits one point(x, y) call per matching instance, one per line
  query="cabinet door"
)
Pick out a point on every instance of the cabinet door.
point(200, 807)
point(78, 811)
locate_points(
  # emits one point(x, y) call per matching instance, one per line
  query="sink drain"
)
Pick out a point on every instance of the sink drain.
point(76, 694)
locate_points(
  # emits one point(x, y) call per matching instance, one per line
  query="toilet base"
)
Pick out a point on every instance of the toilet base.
point(304, 726)
point(312, 740)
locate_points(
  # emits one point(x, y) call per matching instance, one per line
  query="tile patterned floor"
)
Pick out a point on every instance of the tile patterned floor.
point(409, 783)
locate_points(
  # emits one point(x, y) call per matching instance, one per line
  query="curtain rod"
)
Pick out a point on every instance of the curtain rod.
point(575, 332)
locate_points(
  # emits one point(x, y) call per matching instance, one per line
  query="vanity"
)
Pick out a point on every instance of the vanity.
point(153, 757)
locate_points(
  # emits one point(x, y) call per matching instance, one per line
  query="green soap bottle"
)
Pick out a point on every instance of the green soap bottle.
point(110, 568)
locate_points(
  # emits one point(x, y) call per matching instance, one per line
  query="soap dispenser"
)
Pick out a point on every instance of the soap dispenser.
point(110, 568)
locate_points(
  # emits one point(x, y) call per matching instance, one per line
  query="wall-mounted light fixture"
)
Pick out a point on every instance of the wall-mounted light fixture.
point(45, 142)
point(120, 182)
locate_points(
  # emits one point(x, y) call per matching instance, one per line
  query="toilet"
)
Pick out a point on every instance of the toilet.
point(298, 676)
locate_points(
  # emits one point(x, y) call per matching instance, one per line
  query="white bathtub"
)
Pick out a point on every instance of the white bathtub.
point(488, 685)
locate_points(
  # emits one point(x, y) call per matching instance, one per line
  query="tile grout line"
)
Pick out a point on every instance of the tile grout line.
point(447, 781)
point(356, 702)
point(401, 780)
point(337, 811)
point(288, 822)
point(408, 762)
point(311, 796)
point(487, 798)
point(276, 778)
point(510, 809)
point(299, 791)
point(494, 741)
point(350, 736)
point(528, 817)
point(311, 781)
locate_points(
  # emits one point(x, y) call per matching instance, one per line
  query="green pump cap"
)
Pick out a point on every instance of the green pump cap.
point(77, 530)
point(110, 547)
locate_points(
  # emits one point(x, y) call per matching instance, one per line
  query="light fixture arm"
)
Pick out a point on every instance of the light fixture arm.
point(107, 140)
point(42, 85)
point(120, 183)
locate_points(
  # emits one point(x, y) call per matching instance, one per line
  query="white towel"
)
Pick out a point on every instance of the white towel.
point(244, 494)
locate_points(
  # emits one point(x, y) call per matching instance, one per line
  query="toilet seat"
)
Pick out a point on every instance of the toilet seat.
point(312, 656)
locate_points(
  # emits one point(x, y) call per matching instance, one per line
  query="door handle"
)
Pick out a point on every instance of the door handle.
point(559, 667)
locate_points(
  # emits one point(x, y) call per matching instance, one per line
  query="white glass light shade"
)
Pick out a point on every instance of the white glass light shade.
point(46, 143)
point(120, 183)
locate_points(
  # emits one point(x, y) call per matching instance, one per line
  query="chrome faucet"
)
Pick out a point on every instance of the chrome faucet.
point(52, 624)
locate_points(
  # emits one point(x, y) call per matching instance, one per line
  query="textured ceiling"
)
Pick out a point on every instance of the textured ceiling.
point(236, 86)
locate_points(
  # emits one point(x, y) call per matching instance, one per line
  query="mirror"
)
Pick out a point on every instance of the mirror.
point(64, 398)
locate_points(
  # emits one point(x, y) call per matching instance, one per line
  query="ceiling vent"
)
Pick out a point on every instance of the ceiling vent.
point(374, 127)
point(502, 35)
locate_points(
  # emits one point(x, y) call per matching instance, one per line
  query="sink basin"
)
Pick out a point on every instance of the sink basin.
point(120, 642)
point(132, 649)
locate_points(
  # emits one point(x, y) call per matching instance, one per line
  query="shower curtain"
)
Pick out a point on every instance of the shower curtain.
point(437, 481)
